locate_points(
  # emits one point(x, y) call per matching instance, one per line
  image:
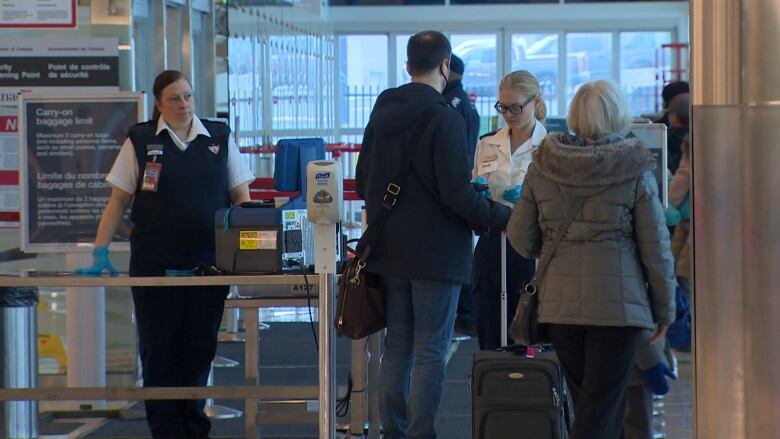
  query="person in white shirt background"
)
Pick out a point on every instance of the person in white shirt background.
point(500, 163)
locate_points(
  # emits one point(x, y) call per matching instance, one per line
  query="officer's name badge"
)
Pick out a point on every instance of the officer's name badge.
point(154, 149)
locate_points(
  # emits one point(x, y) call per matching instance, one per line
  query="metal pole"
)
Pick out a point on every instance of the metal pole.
point(375, 354)
point(86, 330)
point(325, 263)
point(160, 34)
point(19, 359)
point(719, 318)
point(327, 357)
point(761, 216)
point(736, 110)
point(503, 291)
point(358, 403)
point(251, 360)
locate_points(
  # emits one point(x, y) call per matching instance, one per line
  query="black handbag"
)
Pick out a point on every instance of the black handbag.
point(360, 305)
point(360, 302)
point(525, 329)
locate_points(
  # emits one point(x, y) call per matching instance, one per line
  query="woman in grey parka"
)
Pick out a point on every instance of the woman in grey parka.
point(612, 275)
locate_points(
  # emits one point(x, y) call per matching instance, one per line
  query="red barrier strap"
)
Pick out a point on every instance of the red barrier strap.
point(335, 148)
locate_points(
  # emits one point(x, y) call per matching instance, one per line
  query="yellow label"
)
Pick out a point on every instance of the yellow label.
point(256, 240)
point(289, 215)
point(249, 240)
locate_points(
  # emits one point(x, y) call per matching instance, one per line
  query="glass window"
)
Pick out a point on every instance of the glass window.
point(482, 2)
point(603, 1)
point(480, 72)
point(402, 77)
point(588, 57)
point(363, 75)
point(384, 2)
point(538, 53)
point(638, 69)
point(244, 87)
point(284, 82)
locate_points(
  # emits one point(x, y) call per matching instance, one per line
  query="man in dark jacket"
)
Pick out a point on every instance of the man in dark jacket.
point(458, 99)
point(465, 321)
point(423, 253)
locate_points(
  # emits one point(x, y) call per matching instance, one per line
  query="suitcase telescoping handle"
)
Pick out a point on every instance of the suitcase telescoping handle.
point(504, 340)
point(530, 351)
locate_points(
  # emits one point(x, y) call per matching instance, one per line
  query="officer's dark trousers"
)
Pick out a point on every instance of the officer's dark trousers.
point(487, 286)
point(597, 362)
point(177, 328)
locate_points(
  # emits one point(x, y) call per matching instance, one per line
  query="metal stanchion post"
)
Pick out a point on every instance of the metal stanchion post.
point(324, 206)
point(503, 290)
point(86, 326)
point(375, 353)
point(325, 265)
point(375, 349)
point(19, 358)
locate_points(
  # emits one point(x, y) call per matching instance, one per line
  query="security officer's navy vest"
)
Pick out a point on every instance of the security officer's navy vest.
point(174, 226)
point(458, 99)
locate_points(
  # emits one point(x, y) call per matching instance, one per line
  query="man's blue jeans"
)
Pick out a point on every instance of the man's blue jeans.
point(420, 317)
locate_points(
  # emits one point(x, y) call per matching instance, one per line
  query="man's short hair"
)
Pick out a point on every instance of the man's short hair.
point(425, 51)
point(599, 108)
point(456, 65)
point(673, 89)
point(680, 107)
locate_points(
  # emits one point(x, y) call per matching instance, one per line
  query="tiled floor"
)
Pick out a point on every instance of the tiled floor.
point(674, 418)
point(678, 410)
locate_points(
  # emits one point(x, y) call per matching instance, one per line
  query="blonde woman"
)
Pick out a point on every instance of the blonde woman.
point(500, 164)
point(611, 278)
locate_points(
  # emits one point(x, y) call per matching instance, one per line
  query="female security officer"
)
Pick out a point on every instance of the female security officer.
point(177, 170)
point(501, 162)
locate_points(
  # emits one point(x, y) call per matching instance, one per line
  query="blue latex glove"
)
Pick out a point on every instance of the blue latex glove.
point(100, 262)
point(178, 273)
point(673, 216)
point(676, 215)
point(481, 186)
point(685, 208)
point(513, 194)
point(655, 378)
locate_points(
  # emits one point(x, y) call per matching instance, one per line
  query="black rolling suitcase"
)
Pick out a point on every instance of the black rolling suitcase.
point(517, 396)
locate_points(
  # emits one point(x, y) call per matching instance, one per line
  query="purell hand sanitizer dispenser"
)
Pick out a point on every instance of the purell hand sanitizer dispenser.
point(324, 198)
point(324, 191)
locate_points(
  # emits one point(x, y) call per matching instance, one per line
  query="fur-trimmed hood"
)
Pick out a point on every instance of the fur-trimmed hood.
point(574, 161)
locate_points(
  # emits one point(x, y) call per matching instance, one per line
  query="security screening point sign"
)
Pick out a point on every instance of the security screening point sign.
point(57, 66)
point(68, 144)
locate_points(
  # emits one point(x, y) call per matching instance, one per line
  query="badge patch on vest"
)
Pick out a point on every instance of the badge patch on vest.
point(214, 149)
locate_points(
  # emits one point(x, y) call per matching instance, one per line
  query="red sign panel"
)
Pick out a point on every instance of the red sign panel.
point(7, 124)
